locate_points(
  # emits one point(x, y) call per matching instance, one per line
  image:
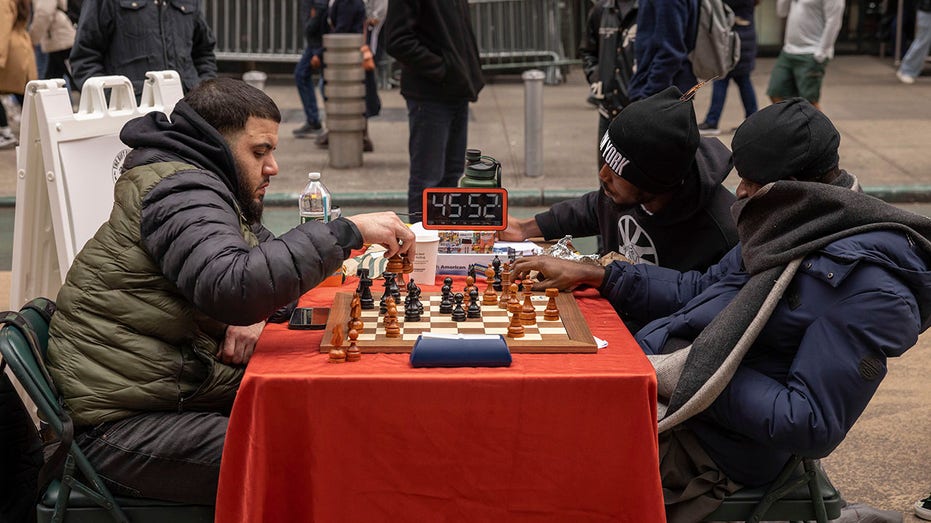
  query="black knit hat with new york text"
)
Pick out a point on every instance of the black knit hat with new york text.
point(651, 143)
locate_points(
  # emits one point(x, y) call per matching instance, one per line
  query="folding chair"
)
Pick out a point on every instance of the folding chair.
point(801, 492)
point(78, 492)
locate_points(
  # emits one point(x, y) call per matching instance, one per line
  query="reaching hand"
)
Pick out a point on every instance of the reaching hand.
point(386, 229)
point(519, 230)
point(239, 343)
point(563, 274)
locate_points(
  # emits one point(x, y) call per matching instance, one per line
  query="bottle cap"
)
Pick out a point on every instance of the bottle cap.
point(313, 176)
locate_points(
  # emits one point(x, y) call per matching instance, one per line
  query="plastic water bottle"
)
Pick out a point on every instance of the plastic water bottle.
point(315, 200)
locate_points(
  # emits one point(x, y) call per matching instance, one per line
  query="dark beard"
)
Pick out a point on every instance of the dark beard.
point(251, 208)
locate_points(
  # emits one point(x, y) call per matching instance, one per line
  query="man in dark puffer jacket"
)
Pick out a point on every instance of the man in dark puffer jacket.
point(161, 310)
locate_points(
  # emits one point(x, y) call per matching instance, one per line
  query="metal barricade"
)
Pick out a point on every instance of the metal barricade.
point(256, 30)
point(512, 35)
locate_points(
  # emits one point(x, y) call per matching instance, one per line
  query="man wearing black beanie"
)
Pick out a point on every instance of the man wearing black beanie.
point(661, 201)
point(777, 349)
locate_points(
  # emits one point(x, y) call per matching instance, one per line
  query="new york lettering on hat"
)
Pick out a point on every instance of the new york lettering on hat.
point(652, 142)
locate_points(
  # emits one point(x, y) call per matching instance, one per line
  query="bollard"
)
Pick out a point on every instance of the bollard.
point(533, 122)
point(345, 102)
point(255, 79)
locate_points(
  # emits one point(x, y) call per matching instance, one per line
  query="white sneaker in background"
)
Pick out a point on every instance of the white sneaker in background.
point(904, 78)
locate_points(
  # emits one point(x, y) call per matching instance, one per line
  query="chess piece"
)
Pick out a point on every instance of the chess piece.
point(551, 313)
point(417, 300)
point(392, 329)
point(337, 354)
point(407, 264)
point(396, 266)
point(528, 315)
point(355, 314)
point(353, 353)
point(496, 265)
point(490, 297)
point(515, 328)
point(459, 313)
point(505, 287)
point(411, 311)
point(446, 303)
point(411, 285)
point(469, 285)
point(475, 311)
point(448, 281)
point(391, 286)
point(513, 304)
point(365, 296)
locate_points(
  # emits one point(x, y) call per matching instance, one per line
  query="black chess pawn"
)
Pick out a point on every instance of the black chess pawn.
point(496, 265)
point(383, 304)
point(446, 304)
point(411, 311)
point(459, 314)
point(448, 281)
point(417, 300)
point(475, 310)
point(391, 285)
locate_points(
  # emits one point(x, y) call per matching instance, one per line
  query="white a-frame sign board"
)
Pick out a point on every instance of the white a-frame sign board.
point(66, 166)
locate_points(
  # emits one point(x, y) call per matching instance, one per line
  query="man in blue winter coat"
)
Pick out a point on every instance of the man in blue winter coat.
point(825, 284)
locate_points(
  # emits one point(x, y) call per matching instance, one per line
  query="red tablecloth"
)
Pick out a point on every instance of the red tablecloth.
point(553, 437)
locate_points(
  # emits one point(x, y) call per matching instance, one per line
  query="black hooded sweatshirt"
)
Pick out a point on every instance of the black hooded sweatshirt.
point(691, 233)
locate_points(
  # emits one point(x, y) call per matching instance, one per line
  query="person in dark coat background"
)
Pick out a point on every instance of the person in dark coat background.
point(665, 35)
point(313, 22)
point(743, 24)
point(133, 38)
point(441, 73)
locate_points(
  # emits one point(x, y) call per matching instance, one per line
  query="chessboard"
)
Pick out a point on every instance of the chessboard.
point(569, 333)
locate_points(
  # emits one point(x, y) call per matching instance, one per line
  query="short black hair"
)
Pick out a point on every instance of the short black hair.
point(227, 103)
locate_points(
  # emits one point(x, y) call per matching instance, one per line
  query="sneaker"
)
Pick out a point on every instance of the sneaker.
point(923, 508)
point(307, 129)
point(8, 141)
point(323, 140)
point(706, 129)
point(904, 78)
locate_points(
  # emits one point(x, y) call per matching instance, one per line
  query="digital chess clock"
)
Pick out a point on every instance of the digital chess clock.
point(461, 208)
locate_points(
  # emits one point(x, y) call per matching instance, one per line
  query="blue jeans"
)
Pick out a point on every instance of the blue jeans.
point(719, 94)
point(914, 60)
point(161, 455)
point(438, 135)
point(304, 78)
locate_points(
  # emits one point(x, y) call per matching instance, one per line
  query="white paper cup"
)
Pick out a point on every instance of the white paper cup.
point(425, 258)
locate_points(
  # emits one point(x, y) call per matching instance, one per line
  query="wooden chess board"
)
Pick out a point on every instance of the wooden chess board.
point(569, 333)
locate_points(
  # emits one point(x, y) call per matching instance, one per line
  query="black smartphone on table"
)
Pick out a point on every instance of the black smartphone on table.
point(309, 318)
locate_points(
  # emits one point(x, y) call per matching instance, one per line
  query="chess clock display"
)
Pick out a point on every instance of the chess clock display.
point(462, 208)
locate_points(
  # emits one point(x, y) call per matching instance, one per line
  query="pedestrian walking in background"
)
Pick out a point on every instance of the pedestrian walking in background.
point(914, 60)
point(313, 16)
point(743, 24)
point(17, 59)
point(812, 27)
point(666, 32)
point(441, 73)
point(53, 31)
point(132, 38)
point(607, 53)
